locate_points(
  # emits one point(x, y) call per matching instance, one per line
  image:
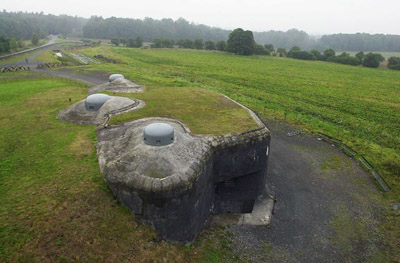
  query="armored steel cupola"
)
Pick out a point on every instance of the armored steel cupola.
point(115, 76)
point(158, 134)
point(95, 101)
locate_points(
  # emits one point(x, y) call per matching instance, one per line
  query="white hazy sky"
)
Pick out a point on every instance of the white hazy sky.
point(313, 16)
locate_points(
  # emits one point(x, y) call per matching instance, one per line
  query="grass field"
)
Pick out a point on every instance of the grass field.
point(360, 106)
point(16, 58)
point(194, 107)
point(47, 56)
point(54, 204)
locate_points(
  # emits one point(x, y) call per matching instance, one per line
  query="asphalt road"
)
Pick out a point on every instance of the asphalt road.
point(327, 207)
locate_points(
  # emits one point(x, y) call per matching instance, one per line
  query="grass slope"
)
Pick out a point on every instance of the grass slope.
point(47, 56)
point(204, 112)
point(54, 204)
point(15, 59)
point(361, 106)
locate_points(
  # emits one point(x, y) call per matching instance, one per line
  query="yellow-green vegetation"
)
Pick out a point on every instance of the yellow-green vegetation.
point(16, 58)
point(54, 204)
point(205, 112)
point(47, 56)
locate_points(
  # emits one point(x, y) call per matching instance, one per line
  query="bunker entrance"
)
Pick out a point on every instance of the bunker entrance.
point(237, 195)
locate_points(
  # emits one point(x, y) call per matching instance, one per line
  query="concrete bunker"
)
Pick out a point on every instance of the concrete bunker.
point(168, 177)
point(96, 109)
point(113, 77)
point(117, 83)
point(95, 101)
point(158, 134)
point(178, 186)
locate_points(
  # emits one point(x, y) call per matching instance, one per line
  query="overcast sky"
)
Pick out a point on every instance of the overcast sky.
point(313, 16)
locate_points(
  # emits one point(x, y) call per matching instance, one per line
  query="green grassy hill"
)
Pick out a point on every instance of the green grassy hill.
point(54, 206)
point(360, 106)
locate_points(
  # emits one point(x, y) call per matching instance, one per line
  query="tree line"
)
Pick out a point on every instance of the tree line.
point(22, 25)
point(371, 60)
point(241, 42)
point(149, 29)
point(12, 44)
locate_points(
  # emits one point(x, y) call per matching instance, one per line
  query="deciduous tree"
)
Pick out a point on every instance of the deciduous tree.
point(241, 42)
point(221, 45)
point(198, 43)
point(35, 39)
point(372, 60)
point(209, 45)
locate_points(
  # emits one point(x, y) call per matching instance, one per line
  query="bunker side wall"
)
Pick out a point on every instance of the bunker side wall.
point(180, 215)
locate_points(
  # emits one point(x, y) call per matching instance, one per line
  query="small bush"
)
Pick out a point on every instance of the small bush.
point(221, 45)
point(394, 63)
point(395, 67)
point(372, 60)
point(317, 54)
point(304, 55)
point(209, 45)
point(260, 50)
point(346, 60)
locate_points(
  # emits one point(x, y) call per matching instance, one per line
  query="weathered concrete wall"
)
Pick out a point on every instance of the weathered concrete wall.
point(224, 174)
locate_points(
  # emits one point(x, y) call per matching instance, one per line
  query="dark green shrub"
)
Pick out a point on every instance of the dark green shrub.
point(304, 55)
point(394, 63)
point(317, 54)
point(346, 60)
point(221, 45)
point(395, 67)
point(209, 45)
point(260, 50)
point(372, 60)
